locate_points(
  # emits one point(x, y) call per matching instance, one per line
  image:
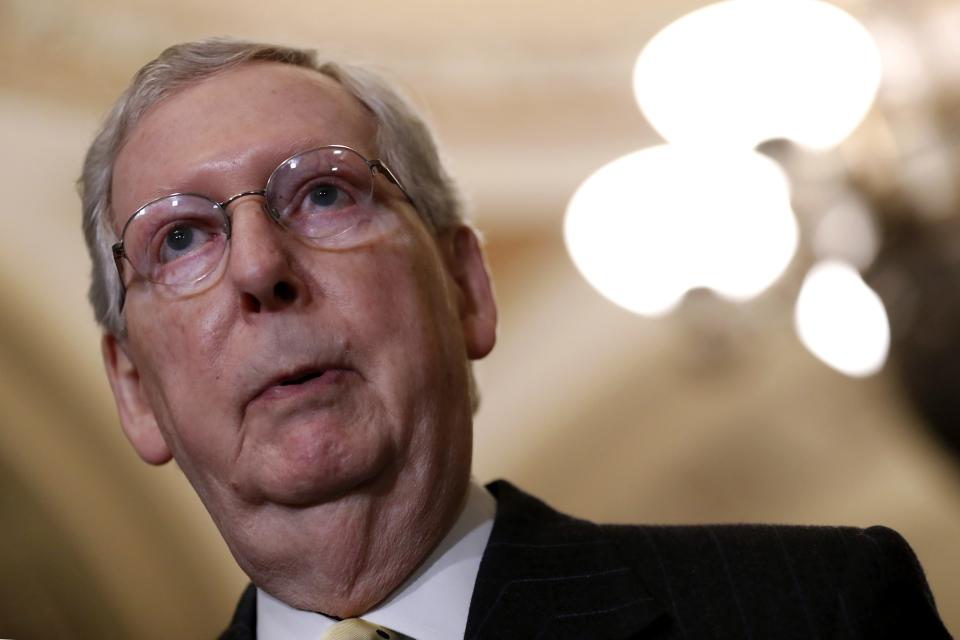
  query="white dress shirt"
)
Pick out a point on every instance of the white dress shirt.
point(432, 604)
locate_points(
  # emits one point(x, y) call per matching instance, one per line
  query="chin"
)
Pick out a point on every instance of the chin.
point(301, 472)
point(304, 485)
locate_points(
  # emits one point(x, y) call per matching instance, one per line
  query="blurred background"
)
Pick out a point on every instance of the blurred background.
point(817, 386)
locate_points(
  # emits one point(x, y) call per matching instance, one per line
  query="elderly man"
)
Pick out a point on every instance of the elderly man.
point(290, 302)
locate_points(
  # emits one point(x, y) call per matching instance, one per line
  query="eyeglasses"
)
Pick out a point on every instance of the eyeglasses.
point(324, 195)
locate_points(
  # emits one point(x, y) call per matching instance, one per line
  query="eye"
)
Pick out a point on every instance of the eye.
point(181, 239)
point(324, 195)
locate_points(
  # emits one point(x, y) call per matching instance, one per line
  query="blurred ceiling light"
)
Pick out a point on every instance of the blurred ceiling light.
point(928, 179)
point(939, 32)
point(741, 72)
point(905, 76)
point(841, 320)
point(651, 225)
point(847, 232)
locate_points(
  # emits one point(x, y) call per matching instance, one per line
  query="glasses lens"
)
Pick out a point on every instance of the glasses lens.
point(325, 194)
point(176, 240)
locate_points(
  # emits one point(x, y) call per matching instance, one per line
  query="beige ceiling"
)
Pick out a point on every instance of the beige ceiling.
point(714, 413)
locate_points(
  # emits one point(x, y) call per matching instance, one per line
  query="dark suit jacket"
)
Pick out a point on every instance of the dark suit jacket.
point(546, 575)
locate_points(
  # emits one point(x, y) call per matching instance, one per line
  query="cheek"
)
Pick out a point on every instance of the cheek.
point(403, 301)
point(184, 338)
point(179, 357)
point(406, 311)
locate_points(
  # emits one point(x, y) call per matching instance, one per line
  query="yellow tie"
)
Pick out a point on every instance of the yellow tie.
point(357, 629)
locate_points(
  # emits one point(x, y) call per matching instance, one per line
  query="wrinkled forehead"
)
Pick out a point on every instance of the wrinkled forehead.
point(226, 133)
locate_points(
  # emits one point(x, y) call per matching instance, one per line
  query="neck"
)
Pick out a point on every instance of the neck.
point(357, 551)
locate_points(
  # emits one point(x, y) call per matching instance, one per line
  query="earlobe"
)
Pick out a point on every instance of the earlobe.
point(478, 309)
point(136, 416)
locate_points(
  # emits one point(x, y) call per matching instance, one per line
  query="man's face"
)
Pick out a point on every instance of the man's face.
point(311, 396)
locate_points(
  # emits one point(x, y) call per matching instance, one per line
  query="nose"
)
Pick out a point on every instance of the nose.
point(260, 265)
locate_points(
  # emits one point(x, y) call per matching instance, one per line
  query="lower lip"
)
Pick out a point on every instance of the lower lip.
point(319, 384)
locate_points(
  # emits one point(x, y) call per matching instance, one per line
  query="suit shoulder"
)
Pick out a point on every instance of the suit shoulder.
point(742, 553)
point(736, 538)
point(866, 583)
point(737, 580)
point(824, 549)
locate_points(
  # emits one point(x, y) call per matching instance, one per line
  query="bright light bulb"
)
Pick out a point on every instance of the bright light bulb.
point(648, 227)
point(741, 72)
point(841, 320)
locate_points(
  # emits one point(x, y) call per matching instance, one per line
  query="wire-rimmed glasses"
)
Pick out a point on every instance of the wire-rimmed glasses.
point(323, 194)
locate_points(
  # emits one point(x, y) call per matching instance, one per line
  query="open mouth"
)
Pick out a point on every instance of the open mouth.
point(301, 378)
point(322, 380)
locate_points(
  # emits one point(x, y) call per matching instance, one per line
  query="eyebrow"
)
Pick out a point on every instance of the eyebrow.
point(282, 153)
point(300, 145)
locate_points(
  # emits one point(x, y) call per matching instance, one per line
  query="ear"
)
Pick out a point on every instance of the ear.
point(136, 416)
point(478, 310)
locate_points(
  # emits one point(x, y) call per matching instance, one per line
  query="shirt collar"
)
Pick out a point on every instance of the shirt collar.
point(432, 604)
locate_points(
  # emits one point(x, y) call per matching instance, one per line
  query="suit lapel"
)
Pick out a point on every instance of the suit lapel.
point(544, 574)
point(244, 623)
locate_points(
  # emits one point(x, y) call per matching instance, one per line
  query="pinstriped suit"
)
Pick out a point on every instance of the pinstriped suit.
point(546, 575)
